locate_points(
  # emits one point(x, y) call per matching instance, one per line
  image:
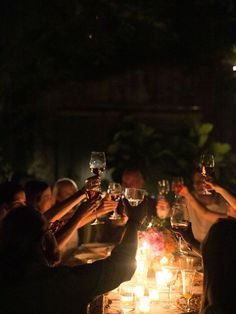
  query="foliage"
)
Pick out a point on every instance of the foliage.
point(160, 154)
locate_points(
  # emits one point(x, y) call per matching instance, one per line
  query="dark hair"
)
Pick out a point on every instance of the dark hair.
point(8, 190)
point(22, 233)
point(33, 192)
point(219, 259)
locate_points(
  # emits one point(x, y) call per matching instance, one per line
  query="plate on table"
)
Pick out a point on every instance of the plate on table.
point(90, 252)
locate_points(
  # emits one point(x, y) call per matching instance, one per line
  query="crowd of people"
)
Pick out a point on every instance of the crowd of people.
point(39, 230)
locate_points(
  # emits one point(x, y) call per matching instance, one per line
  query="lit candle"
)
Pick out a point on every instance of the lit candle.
point(154, 295)
point(139, 291)
point(144, 305)
point(164, 260)
point(163, 277)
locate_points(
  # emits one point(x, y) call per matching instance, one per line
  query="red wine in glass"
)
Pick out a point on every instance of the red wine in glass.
point(180, 226)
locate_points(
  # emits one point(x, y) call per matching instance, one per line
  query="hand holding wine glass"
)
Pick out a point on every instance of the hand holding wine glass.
point(114, 192)
point(207, 164)
point(97, 165)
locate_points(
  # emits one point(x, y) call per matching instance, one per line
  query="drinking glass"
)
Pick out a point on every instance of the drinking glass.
point(163, 187)
point(188, 283)
point(163, 207)
point(170, 274)
point(97, 162)
point(176, 186)
point(93, 191)
point(179, 223)
point(114, 191)
point(134, 196)
point(127, 297)
point(207, 164)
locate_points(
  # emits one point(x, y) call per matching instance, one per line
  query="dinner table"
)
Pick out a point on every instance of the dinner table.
point(111, 302)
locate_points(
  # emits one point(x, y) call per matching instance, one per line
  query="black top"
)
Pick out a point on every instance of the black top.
point(67, 290)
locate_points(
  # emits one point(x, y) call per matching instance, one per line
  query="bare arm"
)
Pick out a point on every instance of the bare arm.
point(224, 193)
point(198, 207)
point(83, 215)
point(59, 210)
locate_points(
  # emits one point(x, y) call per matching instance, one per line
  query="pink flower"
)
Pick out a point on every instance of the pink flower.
point(155, 239)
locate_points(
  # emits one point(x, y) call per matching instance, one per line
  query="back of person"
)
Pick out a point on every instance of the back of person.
point(219, 259)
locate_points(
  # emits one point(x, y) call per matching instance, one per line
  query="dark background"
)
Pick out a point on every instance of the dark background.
point(72, 70)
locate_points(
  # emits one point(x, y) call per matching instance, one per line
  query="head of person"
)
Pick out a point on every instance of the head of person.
point(132, 178)
point(12, 195)
point(24, 238)
point(198, 182)
point(38, 195)
point(63, 189)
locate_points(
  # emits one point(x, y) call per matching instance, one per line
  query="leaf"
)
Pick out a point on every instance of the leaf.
point(202, 140)
point(221, 148)
point(205, 128)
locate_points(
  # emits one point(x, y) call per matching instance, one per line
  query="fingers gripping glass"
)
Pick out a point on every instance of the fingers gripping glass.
point(207, 164)
point(114, 191)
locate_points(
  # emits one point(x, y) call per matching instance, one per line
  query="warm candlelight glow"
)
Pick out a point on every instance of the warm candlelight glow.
point(144, 305)
point(163, 277)
point(139, 291)
point(154, 295)
point(164, 260)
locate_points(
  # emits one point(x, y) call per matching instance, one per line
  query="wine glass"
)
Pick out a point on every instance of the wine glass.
point(170, 274)
point(127, 297)
point(93, 191)
point(207, 164)
point(188, 283)
point(176, 186)
point(179, 223)
point(97, 162)
point(163, 187)
point(163, 207)
point(134, 196)
point(114, 191)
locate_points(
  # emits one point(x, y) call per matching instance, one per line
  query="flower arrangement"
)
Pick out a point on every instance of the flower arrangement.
point(158, 237)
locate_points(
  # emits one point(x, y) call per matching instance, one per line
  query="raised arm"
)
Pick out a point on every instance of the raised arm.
point(198, 207)
point(224, 193)
point(60, 209)
point(83, 215)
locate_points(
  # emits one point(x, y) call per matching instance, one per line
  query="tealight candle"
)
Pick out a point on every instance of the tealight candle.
point(164, 260)
point(144, 305)
point(153, 295)
point(139, 291)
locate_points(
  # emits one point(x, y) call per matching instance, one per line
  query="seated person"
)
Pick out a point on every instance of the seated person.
point(219, 260)
point(64, 188)
point(12, 195)
point(202, 210)
point(29, 285)
point(133, 178)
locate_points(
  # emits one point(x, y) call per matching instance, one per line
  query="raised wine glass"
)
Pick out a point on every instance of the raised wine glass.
point(207, 164)
point(114, 191)
point(163, 207)
point(93, 191)
point(97, 162)
point(97, 165)
point(176, 185)
point(134, 196)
